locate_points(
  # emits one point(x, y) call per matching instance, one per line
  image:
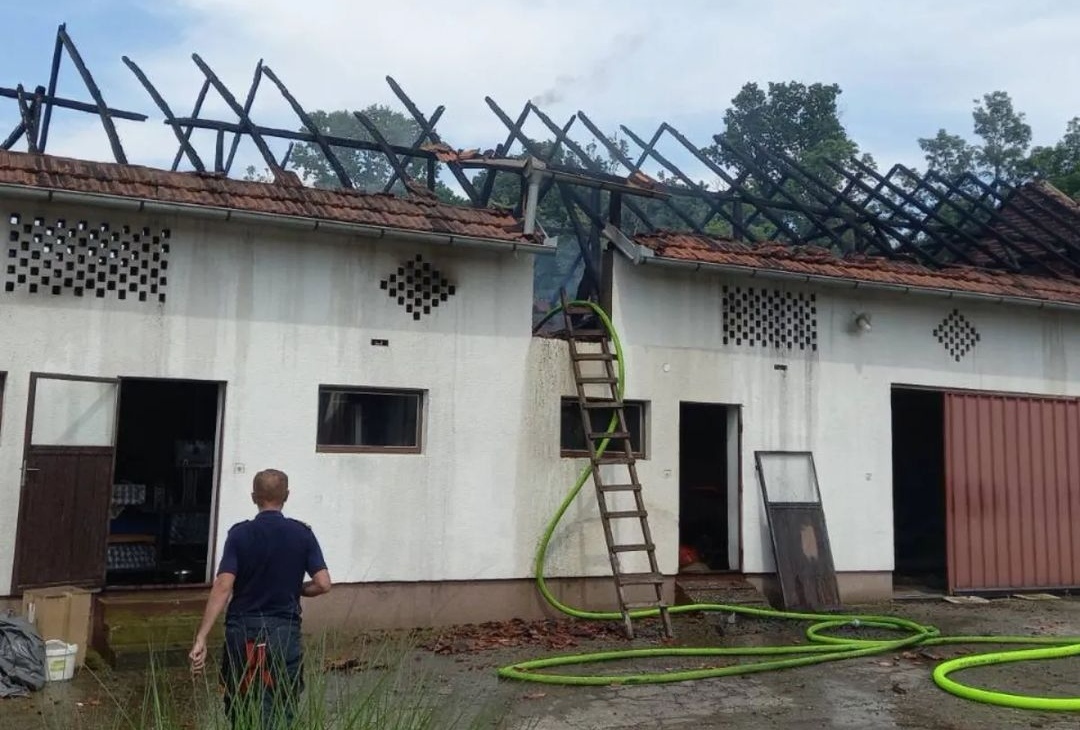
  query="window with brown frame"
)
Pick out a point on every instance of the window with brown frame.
point(369, 420)
point(572, 438)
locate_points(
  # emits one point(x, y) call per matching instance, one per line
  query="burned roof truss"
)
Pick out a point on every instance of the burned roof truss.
point(581, 179)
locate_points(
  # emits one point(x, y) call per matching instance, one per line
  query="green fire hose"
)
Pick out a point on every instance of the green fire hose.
point(822, 647)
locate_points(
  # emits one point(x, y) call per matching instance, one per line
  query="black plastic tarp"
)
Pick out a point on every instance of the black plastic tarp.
point(22, 658)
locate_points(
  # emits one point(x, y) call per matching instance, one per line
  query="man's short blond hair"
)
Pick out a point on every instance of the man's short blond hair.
point(271, 487)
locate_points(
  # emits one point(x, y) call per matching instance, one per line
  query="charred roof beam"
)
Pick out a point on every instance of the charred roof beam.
point(384, 147)
point(957, 251)
point(248, 103)
point(416, 144)
point(649, 150)
point(1013, 247)
point(1034, 220)
point(532, 149)
point(501, 150)
point(1009, 247)
point(427, 127)
point(199, 100)
point(590, 164)
point(763, 177)
point(823, 193)
point(185, 145)
point(246, 125)
point(694, 190)
point(30, 113)
point(313, 128)
point(95, 93)
point(733, 183)
point(54, 77)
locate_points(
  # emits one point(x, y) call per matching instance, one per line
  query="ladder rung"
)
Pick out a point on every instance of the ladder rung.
point(631, 605)
point(579, 309)
point(636, 547)
point(606, 460)
point(602, 404)
point(614, 435)
point(620, 487)
point(629, 579)
point(626, 513)
point(589, 333)
point(604, 380)
point(601, 356)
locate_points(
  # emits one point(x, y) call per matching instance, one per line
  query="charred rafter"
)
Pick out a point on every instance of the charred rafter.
point(36, 110)
point(757, 193)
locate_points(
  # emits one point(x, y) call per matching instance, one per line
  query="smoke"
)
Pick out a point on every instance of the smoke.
point(596, 77)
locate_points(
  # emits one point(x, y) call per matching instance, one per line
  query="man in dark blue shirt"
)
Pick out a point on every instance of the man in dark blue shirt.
point(262, 568)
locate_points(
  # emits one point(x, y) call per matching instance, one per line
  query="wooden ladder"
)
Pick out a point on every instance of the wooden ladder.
point(619, 452)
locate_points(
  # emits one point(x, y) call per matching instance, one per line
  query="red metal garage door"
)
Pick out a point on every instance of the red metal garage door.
point(1012, 467)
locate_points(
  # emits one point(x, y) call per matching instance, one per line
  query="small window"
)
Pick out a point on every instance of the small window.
point(369, 420)
point(573, 438)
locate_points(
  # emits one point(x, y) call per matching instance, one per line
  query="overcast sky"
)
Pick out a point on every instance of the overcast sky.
point(906, 67)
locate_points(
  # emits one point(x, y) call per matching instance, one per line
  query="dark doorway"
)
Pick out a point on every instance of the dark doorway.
point(163, 488)
point(918, 427)
point(708, 487)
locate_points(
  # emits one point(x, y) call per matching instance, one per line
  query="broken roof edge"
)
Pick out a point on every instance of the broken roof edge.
point(227, 214)
point(639, 254)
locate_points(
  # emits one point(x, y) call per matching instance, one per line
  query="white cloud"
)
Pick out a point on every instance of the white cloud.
point(906, 68)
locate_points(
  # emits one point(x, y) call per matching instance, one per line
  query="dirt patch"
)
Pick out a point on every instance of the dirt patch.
point(550, 634)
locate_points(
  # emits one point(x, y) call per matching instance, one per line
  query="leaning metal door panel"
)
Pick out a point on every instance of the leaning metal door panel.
point(66, 481)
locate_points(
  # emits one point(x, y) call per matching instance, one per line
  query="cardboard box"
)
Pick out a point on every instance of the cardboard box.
point(61, 613)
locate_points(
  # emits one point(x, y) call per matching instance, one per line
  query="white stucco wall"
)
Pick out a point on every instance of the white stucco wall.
point(275, 314)
point(834, 402)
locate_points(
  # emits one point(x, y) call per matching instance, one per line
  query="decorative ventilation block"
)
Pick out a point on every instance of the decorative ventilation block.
point(76, 258)
point(770, 318)
point(957, 335)
point(417, 287)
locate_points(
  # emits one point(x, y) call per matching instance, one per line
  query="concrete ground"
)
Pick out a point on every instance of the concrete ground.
point(885, 691)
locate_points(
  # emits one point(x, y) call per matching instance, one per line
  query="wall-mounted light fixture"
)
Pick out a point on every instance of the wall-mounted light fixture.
point(860, 322)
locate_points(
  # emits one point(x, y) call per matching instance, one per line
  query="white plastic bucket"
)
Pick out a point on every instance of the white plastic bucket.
point(60, 659)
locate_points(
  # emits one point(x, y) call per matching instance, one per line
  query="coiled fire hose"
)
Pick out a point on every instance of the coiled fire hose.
point(822, 647)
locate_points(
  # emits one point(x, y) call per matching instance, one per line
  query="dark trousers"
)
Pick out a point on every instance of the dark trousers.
point(262, 672)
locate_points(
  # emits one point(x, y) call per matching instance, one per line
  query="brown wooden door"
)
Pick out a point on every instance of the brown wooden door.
point(67, 482)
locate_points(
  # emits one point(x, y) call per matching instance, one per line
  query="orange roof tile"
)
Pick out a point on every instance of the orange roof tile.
point(819, 262)
point(412, 212)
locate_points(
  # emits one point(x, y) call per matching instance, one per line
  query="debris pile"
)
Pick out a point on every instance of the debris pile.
point(548, 633)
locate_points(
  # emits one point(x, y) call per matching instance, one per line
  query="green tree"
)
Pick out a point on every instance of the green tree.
point(793, 119)
point(1005, 137)
point(1059, 163)
point(949, 154)
point(1001, 152)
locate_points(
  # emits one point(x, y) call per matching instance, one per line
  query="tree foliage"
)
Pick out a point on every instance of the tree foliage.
point(949, 154)
point(1005, 136)
point(1001, 152)
point(1060, 163)
point(794, 119)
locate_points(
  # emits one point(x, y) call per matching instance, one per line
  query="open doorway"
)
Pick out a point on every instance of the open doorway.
point(919, 509)
point(708, 487)
point(163, 482)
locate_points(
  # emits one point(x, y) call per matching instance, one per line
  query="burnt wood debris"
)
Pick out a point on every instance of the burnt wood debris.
point(852, 209)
